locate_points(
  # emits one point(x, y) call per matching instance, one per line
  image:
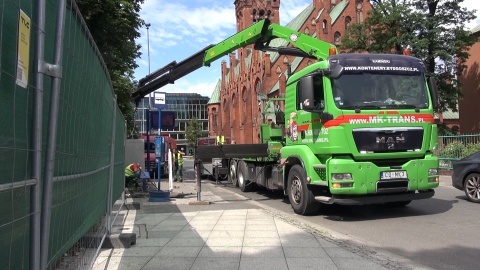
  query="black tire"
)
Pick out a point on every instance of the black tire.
point(301, 198)
point(242, 177)
point(398, 204)
point(232, 173)
point(471, 186)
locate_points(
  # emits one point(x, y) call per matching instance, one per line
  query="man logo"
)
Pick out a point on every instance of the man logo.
point(390, 141)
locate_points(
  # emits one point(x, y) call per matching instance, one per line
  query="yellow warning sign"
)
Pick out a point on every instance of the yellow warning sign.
point(23, 49)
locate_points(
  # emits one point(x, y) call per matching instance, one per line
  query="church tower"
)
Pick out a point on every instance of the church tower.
point(249, 12)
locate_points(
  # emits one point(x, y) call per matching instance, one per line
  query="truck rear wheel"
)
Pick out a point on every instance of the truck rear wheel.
point(242, 175)
point(232, 173)
point(301, 198)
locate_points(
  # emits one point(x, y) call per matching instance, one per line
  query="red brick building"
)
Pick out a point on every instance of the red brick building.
point(469, 103)
point(250, 76)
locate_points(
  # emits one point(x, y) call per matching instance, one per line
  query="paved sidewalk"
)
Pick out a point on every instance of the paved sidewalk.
point(227, 231)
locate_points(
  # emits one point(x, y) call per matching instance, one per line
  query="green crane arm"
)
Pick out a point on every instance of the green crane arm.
point(260, 34)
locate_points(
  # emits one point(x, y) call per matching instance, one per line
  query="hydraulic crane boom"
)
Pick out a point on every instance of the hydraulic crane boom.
point(260, 34)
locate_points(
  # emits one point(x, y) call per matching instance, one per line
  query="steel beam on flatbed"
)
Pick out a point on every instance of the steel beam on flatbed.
point(207, 152)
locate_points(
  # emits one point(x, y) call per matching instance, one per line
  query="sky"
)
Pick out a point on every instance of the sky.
point(181, 28)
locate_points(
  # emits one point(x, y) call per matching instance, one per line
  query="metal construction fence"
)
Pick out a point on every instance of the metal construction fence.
point(62, 136)
point(455, 147)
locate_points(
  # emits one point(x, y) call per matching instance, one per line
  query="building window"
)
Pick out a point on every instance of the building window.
point(359, 5)
point(337, 38)
point(307, 31)
point(214, 116)
point(244, 95)
point(325, 27)
point(348, 20)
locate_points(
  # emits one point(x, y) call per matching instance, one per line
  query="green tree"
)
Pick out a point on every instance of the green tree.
point(193, 131)
point(433, 29)
point(114, 25)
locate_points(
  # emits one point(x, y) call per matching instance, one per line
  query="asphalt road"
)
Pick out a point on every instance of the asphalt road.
point(441, 232)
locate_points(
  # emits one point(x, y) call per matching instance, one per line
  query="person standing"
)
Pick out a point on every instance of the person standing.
point(178, 165)
point(132, 172)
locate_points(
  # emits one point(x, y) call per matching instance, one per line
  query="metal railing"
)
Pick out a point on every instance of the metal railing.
point(455, 147)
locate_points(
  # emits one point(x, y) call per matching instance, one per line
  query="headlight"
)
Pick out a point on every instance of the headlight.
point(341, 176)
point(432, 172)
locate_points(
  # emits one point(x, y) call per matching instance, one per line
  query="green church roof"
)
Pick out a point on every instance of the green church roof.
point(215, 98)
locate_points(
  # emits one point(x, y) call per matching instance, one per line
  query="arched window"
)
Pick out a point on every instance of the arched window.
point(337, 38)
point(214, 117)
point(348, 20)
point(225, 105)
point(244, 95)
point(359, 5)
point(307, 31)
point(325, 26)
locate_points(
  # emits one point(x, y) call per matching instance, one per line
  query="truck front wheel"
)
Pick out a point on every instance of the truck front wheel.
point(232, 173)
point(242, 175)
point(301, 198)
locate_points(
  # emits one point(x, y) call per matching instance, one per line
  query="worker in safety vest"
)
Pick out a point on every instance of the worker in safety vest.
point(220, 140)
point(132, 172)
point(178, 165)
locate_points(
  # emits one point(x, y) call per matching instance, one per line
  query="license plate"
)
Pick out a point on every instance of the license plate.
point(393, 175)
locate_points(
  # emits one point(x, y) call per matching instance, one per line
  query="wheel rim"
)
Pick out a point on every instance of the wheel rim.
point(472, 188)
point(240, 179)
point(296, 190)
point(233, 173)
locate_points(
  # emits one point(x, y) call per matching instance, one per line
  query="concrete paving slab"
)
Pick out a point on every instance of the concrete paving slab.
point(230, 233)
point(313, 263)
point(262, 252)
point(215, 252)
point(205, 263)
point(263, 263)
point(169, 263)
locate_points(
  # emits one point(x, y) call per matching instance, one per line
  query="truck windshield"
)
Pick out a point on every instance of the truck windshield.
point(369, 91)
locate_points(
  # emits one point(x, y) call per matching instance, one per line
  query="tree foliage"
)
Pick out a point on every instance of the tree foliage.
point(114, 26)
point(193, 131)
point(433, 29)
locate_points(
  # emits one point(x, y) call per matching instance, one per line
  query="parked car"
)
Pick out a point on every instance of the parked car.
point(466, 176)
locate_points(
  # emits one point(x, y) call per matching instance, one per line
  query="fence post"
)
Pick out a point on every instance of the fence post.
point(54, 71)
point(35, 204)
point(112, 165)
point(198, 166)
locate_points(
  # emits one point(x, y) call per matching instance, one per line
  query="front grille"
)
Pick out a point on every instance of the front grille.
point(382, 140)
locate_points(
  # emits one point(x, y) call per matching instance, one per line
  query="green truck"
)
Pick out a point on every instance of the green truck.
point(353, 129)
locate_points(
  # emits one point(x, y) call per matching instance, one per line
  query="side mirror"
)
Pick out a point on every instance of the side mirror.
point(305, 92)
point(336, 72)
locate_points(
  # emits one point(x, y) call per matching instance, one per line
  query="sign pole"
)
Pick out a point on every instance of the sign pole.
point(159, 173)
point(159, 195)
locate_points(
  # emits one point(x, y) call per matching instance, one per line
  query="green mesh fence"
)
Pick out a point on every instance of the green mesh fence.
point(87, 114)
point(16, 111)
